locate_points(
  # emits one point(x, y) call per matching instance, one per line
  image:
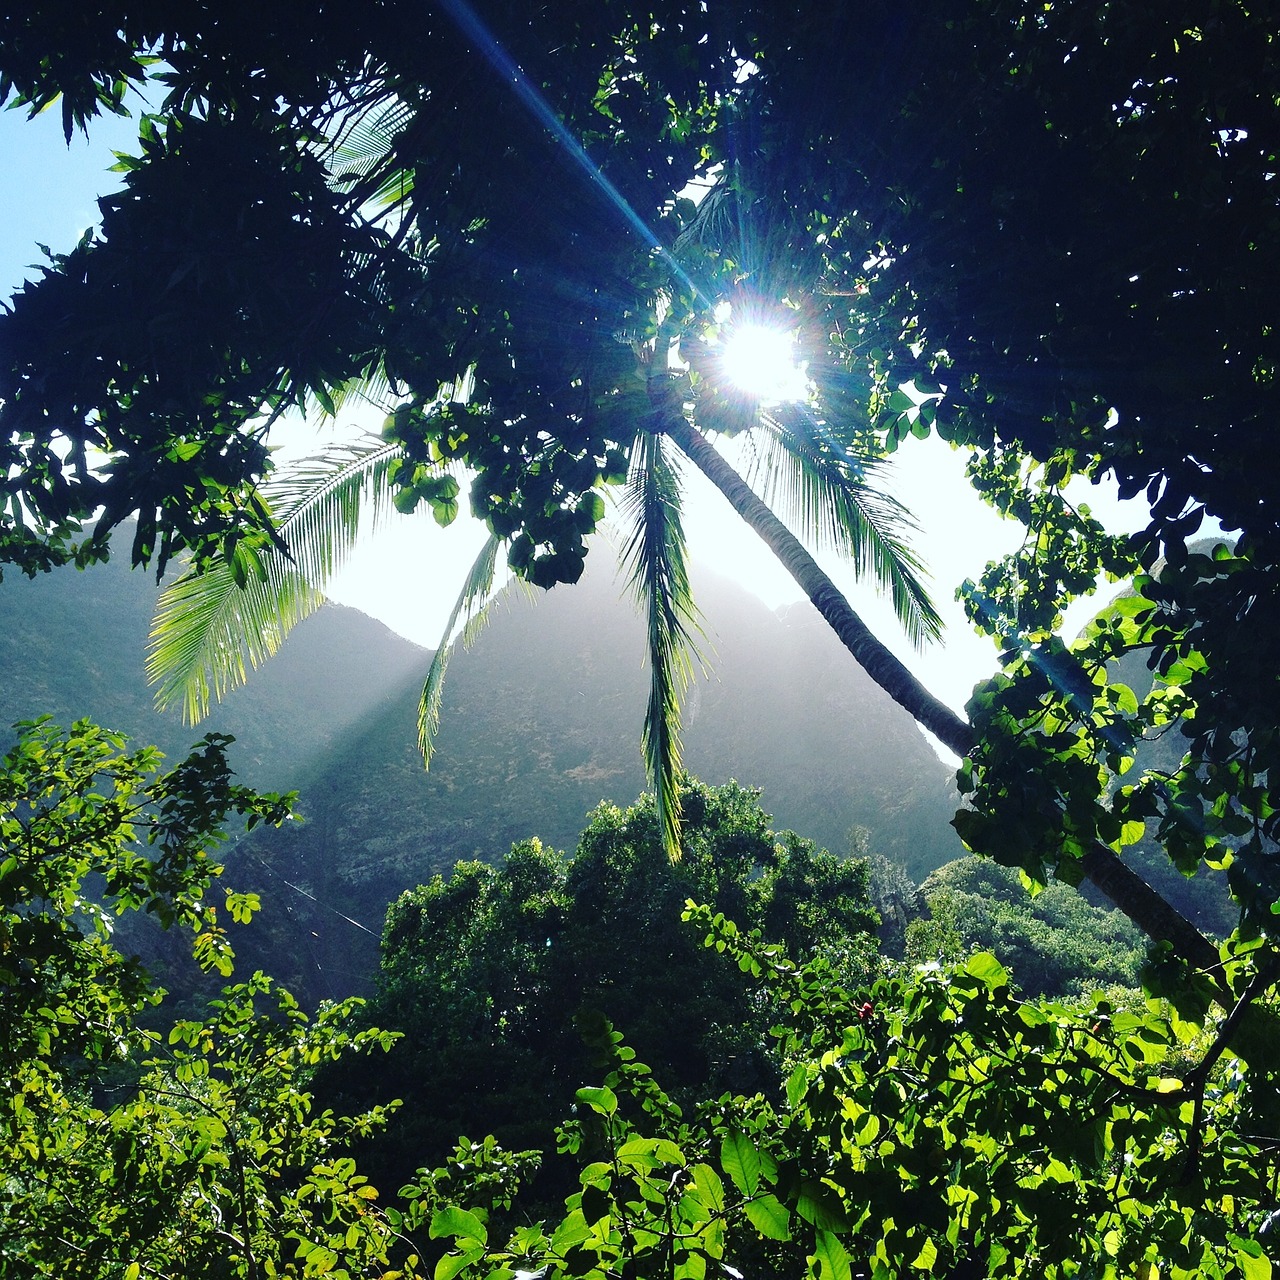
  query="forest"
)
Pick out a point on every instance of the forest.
point(536, 238)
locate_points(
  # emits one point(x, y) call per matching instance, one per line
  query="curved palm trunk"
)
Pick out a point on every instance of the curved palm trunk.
point(855, 635)
point(1113, 877)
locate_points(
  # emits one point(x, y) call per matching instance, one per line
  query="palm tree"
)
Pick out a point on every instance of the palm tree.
point(211, 628)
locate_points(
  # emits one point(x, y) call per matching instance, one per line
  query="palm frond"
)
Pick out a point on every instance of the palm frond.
point(371, 387)
point(211, 628)
point(655, 558)
point(364, 151)
point(827, 497)
point(472, 607)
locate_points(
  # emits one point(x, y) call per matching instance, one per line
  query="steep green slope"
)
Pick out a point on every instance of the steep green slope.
point(73, 644)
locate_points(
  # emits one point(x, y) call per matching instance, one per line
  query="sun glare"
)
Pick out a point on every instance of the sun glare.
point(761, 360)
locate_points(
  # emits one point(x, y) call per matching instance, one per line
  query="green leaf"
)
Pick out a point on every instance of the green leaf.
point(927, 1257)
point(572, 1230)
point(472, 609)
point(455, 1222)
point(739, 1159)
point(1124, 698)
point(987, 969)
point(707, 1180)
point(1252, 1261)
point(828, 496)
point(833, 1258)
point(770, 1217)
point(1132, 831)
point(797, 1087)
point(451, 1264)
point(599, 1098)
point(819, 1205)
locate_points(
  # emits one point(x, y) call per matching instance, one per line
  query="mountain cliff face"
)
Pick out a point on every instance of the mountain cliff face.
point(541, 722)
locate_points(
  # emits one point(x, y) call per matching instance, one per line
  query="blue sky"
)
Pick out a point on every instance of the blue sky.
point(49, 190)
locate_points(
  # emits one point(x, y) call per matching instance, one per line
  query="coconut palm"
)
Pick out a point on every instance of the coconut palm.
point(211, 628)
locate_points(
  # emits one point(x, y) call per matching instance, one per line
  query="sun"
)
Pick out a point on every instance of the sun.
point(760, 359)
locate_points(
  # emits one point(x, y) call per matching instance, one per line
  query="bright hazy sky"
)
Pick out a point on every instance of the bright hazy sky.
point(409, 576)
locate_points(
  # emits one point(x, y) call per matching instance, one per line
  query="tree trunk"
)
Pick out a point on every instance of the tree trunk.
point(881, 665)
point(1113, 877)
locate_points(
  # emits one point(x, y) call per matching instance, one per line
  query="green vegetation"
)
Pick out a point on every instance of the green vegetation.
point(489, 974)
point(898, 1136)
point(1045, 233)
point(539, 726)
point(1055, 944)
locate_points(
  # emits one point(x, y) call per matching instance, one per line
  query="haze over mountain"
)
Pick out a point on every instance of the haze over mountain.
point(541, 722)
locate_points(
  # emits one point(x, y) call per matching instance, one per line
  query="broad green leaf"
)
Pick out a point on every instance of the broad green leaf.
point(819, 1205)
point(707, 1180)
point(987, 969)
point(740, 1161)
point(668, 1152)
point(797, 1086)
point(451, 1264)
point(927, 1257)
point(1133, 831)
point(833, 1258)
point(571, 1231)
point(455, 1222)
point(599, 1098)
point(1252, 1261)
point(1124, 699)
point(770, 1217)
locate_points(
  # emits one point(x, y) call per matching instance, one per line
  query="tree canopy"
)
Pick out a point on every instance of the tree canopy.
point(1056, 944)
point(489, 973)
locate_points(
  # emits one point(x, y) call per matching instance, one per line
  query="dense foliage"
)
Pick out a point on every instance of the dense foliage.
point(1047, 233)
point(490, 973)
point(1055, 944)
point(935, 1123)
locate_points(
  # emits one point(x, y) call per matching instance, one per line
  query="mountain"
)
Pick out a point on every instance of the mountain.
point(541, 721)
point(73, 644)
